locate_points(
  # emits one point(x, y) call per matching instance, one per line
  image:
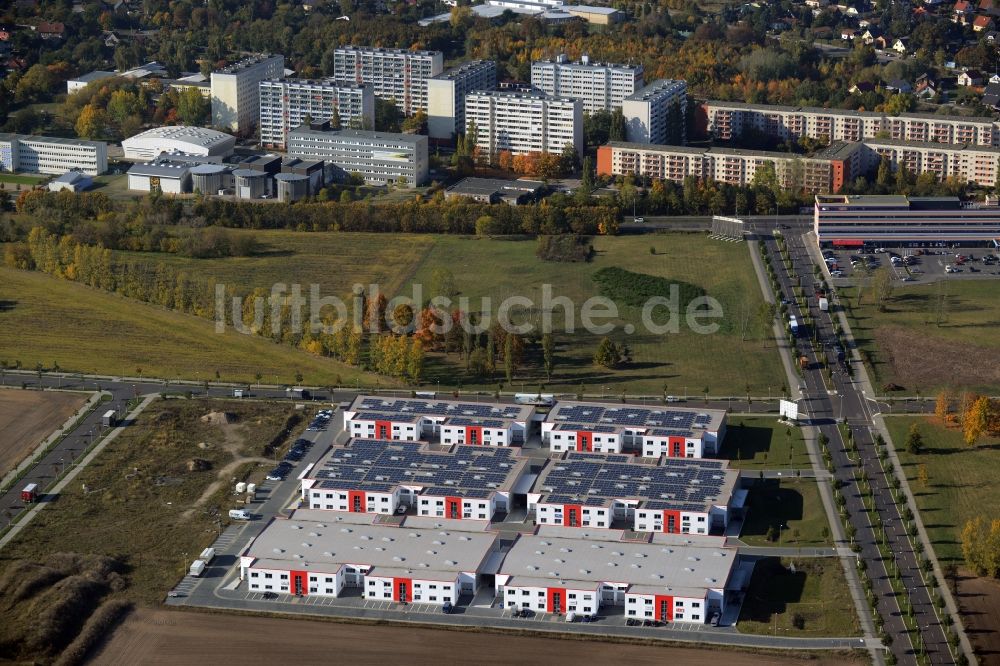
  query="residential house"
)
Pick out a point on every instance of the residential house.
point(848, 34)
point(862, 87)
point(982, 22)
point(961, 12)
point(900, 47)
point(51, 30)
point(111, 40)
point(899, 86)
point(869, 35)
point(995, 78)
point(971, 77)
point(927, 88)
point(991, 96)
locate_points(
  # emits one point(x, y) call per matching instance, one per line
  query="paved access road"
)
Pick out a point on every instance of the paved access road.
point(845, 399)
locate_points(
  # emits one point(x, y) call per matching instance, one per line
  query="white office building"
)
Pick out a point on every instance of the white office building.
point(599, 86)
point(656, 113)
point(380, 158)
point(524, 122)
point(46, 154)
point(446, 96)
point(286, 104)
point(396, 74)
point(236, 91)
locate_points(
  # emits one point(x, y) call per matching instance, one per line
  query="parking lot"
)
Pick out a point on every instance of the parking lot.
point(912, 264)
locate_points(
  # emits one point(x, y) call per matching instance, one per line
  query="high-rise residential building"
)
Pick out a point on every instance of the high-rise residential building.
point(380, 158)
point(236, 91)
point(523, 122)
point(656, 114)
point(396, 74)
point(48, 154)
point(286, 104)
point(599, 86)
point(446, 96)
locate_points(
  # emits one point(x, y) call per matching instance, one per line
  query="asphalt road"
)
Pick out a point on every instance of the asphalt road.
point(848, 402)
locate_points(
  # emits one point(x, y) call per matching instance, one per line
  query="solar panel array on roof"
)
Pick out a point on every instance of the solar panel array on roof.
point(379, 466)
point(684, 485)
point(590, 417)
point(391, 406)
point(466, 421)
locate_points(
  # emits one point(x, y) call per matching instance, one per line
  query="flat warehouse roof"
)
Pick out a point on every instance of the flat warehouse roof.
point(305, 542)
point(380, 466)
point(400, 409)
point(618, 417)
point(680, 484)
point(648, 568)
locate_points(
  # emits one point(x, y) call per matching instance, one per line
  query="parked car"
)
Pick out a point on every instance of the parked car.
point(714, 621)
point(446, 608)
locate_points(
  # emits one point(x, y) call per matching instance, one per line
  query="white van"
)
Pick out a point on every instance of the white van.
point(571, 616)
point(239, 514)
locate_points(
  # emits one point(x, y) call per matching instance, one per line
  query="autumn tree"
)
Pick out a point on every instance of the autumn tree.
point(922, 476)
point(609, 353)
point(914, 440)
point(192, 107)
point(942, 407)
point(981, 546)
point(375, 313)
point(91, 122)
point(415, 362)
point(975, 420)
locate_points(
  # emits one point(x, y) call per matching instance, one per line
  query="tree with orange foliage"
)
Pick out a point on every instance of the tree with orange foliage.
point(505, 160)
point(975, 420)
point(375, 313)
point(430, 327)
point(942, 407)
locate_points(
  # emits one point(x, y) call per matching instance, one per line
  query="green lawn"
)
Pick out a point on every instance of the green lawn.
point(793, 507)
point(48, 321)
point(760, 442)
point(681, 363)
point(961, 481)
point(931, 335)
point(815, 593)
point(334, 261)
point(22, 179)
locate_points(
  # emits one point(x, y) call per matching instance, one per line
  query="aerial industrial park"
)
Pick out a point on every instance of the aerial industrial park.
point(516, 331)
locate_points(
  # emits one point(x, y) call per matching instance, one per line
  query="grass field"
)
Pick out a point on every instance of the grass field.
point(334, 261)
point(760, 442)
point(168, 637)
point(141, 489)
point(681, 363)
point(22, 179)
point(791, 506)
point(28, 417)
point(815, 592)
point(911, 349)
point(961, 482)
point(45, 320)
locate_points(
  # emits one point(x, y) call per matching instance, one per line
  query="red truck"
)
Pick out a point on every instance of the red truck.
point(30, 493)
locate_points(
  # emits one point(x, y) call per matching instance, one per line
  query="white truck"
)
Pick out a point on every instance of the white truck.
point(197, 567)
point(239, 514)
point(207, 555)
point(824, 304)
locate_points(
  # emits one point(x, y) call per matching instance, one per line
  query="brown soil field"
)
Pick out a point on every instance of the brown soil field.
point(979, 601)
point(918, 360)
point(28, 417)
point(184, 637)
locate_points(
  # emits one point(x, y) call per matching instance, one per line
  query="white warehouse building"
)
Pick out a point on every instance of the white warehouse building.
point(674, 432)
point(197, 141)
point(668, 579)
point(447, 421)
point(316, 554)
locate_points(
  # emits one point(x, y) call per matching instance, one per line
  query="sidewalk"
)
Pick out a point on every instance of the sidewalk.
point(861, 378)
point(40, 450)
point(72, 474)
point(825, 491)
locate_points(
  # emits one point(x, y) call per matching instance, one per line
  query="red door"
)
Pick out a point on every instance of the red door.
point(453, 507)
point(356, 501)
point(664, 607)
point(299, 583)
point(383, 430)
point(672, 522)
point(401, 589)
point(474, 435)
point(675, 447)
point(572, 515)
point(553, 600)
point(584, 442)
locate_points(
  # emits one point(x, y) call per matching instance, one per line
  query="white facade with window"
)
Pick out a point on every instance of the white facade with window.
point(236, 91)
point(380, 158)
point(649, 112)
point(587, 516)
point(55, 155)
point(523, 122)
point(289, 103)
point(598, 86)
point(446, 96)
point(394, 74)
point(566, 440)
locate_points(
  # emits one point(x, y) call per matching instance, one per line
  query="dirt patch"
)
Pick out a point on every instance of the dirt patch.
point(169, 637)
point(916, 359)
point(979, 599)
point(28, 417)
point(218, 418)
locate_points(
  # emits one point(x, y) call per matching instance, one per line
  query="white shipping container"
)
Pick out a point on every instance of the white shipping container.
point(241, 488)
point(251, 488)
point(207, 555)
point(197, 567)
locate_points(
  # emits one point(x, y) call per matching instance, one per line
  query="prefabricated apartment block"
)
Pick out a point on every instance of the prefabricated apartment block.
point(675, 432)
point(728, 120)
point(289, 103)
point(378, 476)
point(676, 496)
point(669, 578)
point(394, 74)
point(446, 96)
point(598, 86)
point(314, 553)
point(449, 421)
point(523, 122)
point(236, 91)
